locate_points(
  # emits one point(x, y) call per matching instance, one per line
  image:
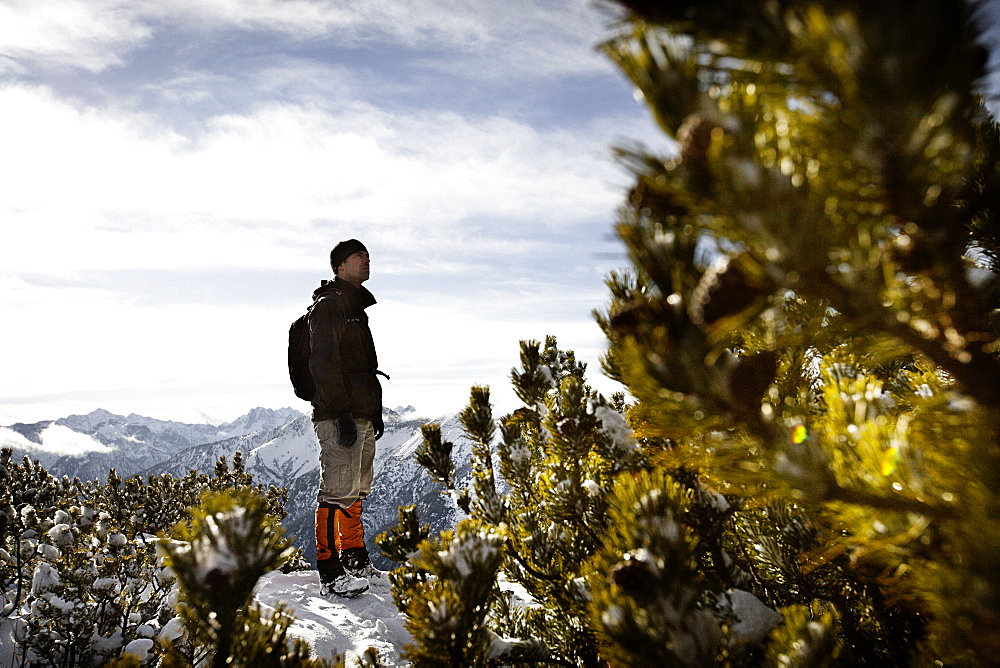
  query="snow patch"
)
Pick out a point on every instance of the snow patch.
point(614, 426)
point(337, 625)
point(753, 620)
point(139, 648)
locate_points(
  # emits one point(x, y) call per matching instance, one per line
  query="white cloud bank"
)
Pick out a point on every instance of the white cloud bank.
point(97, 34)
point(55, 439)
point(252, 186)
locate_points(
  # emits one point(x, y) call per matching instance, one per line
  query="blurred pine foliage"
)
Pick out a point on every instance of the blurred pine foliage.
point(808, 335)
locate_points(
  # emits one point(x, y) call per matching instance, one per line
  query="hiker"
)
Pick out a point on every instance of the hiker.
point(347, 418)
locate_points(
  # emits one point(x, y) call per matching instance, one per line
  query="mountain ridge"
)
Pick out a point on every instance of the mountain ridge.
point(278, 447)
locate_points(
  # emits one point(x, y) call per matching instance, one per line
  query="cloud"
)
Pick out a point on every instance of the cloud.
point(252, 187)
point(92, 339)
point(55, 439)
point(86, 34)
point(97, 34)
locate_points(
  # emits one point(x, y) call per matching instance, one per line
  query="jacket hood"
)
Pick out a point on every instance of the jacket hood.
point(359, 297)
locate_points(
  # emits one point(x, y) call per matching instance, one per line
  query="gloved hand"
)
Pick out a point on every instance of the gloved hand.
point(347, 430)
point(378, 424)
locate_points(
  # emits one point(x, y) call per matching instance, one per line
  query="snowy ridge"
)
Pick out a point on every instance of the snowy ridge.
point(87, 446)
point(291, 442)
point(278, 448)
point(400, 480)
point(289, 457)
point(288, 454)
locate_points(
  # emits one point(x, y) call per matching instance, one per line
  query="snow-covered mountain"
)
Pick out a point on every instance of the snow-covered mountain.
point(289, 457)
point(87, 446)
point(278, 447)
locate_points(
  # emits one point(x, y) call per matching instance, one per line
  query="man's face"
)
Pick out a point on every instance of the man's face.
point(355, 269)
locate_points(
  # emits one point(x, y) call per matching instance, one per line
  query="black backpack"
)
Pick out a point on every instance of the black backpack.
point(298, 358)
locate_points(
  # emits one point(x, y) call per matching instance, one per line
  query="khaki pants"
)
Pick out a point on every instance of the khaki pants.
point(345, 473)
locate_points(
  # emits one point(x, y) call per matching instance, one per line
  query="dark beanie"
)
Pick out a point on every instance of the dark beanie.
point(344, 250)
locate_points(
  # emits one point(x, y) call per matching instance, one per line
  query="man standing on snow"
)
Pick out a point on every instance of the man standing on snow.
point(347, 418)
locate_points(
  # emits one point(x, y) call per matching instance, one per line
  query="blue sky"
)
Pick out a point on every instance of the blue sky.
point(175, 173)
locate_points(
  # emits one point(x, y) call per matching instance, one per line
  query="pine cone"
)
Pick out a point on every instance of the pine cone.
point(728, 288)
point(567, 427)
point(695, 136)
point(750, 378)
point(635, 577)
point(695, 139)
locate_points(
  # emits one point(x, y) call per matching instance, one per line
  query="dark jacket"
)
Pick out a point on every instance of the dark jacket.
point(342, 358)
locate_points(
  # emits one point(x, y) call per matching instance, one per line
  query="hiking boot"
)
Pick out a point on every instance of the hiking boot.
point(333, 579)
point(355, 561)
point(369, 572)
point(346, 586)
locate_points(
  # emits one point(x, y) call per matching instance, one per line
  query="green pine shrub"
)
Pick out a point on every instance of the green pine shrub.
point(79, 571)
point(217, 555)
point(809, 321)
point(808, 335)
